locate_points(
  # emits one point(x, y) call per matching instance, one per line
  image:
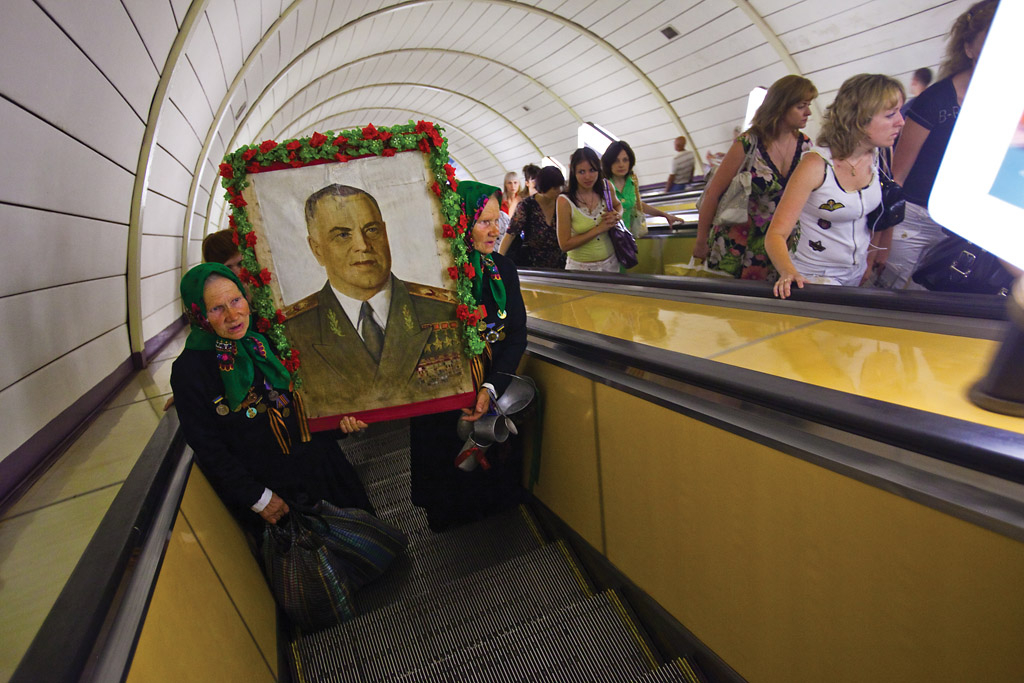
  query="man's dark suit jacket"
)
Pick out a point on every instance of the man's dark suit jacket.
point(422, 358)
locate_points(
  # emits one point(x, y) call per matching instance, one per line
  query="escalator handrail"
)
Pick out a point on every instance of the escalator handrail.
point(984, 306)
point(996, 452)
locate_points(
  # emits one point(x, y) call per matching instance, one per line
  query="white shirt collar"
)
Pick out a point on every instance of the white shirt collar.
point(380, 302)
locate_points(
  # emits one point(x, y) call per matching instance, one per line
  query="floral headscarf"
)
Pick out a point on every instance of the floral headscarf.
point(237, 359)
point(474, 196)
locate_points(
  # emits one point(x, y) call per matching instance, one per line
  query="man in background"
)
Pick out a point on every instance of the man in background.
point(919, 82)
point(682, 167)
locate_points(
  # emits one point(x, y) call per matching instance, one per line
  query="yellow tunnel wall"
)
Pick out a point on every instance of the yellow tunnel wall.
point(787, 570)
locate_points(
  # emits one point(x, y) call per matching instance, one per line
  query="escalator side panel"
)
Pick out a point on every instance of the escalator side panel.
point(193, 631)
point(569, 483)
point(211, 616)
point(788, 569)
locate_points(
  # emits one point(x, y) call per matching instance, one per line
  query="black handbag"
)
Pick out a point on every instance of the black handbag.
point(517, 252)
point(893, 207)
point(956, 265)
point(622, 239)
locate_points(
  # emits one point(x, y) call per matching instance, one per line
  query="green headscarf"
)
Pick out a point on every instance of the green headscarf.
point(237, 359)
point(474, 196)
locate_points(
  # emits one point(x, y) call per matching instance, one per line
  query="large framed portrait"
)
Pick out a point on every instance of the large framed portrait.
point(355, 263)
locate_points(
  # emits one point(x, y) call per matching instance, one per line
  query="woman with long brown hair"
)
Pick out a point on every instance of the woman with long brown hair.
point(774, 143)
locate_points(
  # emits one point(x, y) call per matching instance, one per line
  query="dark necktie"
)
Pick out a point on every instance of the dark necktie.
point(370, 331)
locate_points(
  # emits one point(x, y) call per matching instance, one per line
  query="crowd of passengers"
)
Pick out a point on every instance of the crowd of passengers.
point(809, 203)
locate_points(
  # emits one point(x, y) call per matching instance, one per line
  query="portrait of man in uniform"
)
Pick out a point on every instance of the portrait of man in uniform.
point(368, 338)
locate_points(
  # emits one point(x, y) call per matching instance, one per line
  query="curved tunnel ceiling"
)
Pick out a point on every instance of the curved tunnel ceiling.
point(509, 80)
point(472, 74)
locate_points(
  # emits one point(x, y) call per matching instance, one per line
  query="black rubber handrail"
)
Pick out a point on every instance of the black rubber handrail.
point(978, 447)
point(985, 306)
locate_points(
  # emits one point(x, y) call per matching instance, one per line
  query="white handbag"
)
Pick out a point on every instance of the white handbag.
point(733, 205)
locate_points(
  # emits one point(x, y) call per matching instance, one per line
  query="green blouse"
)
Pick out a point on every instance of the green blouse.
point(628, 197)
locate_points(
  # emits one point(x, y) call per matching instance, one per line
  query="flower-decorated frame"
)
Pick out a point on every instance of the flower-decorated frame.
point(356, 143)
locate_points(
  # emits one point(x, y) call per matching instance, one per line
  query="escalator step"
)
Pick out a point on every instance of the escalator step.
point(582, 642)
point(379, 439)
point(405, 636)
point(433, 559)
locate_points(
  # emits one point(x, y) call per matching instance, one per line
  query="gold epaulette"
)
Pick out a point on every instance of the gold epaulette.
point(431, 292)
point(301, 306)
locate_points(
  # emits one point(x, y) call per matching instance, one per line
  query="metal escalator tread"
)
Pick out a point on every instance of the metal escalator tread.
point(582, 642)
point(380, 438)
point(432, 560)
point(409, 634)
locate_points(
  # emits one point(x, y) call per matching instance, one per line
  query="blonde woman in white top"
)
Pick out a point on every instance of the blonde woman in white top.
point(835, 187)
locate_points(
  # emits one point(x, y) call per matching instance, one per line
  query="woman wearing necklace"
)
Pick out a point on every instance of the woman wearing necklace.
point(583, 221)
point(531, 234)
point(774, 143)
point(617, 162)
point(449, 494)
point(241, 417)
point(836, 185)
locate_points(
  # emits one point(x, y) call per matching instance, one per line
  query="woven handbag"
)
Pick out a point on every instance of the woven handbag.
point(364, 544)
point(307, 579)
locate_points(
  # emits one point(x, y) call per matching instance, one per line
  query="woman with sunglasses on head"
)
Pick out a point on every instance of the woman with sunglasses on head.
point(582, 218)
point(773, 143)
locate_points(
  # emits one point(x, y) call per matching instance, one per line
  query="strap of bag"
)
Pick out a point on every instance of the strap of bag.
point(607, 194)
point(885, 162)
point(748, 162)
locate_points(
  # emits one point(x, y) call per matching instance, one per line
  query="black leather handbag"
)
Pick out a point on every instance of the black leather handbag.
point(893, 207)
point(956, 265)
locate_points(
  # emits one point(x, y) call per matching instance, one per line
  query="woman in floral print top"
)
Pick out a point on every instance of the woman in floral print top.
point(775, 131)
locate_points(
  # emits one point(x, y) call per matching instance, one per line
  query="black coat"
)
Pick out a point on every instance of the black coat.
point(241, 456)
point(506, 354)
point(450, 495)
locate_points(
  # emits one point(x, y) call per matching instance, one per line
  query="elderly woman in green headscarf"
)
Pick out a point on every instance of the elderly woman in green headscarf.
point(449, 494)
point(240, 416)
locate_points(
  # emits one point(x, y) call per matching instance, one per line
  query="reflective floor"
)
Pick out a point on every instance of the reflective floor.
point(922, 370)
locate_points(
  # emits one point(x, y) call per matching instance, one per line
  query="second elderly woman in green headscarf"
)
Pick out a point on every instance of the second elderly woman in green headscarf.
point(449, 494)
